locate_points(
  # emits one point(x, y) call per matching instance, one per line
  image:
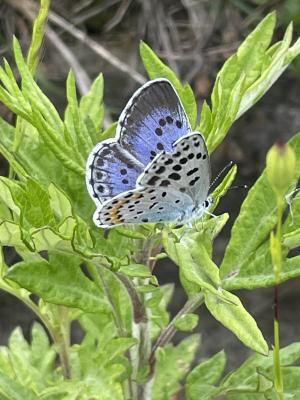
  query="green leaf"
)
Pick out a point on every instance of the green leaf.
point(191, 271)
point(38, 35)
point(254, 223)
point(246, 377)
point(11, 194)
point(259, 272)
point(59, 281)
point(43, 356)
point(136, 270)
point(13, 390)
point(186, 322)
point(91, 106)
point(245, 77)
point(157, 69)
point(205, 374)
point(202, 392)
point(224, 186)
point(130, 233)
point(36, 211)
point(234, 317)
point(10, 234)
point(73, 119)
point(59, 202)
point(172, 364)
point(209, 371)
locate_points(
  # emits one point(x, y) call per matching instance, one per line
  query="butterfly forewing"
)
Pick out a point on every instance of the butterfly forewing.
point(152, 121)
point(185, 170)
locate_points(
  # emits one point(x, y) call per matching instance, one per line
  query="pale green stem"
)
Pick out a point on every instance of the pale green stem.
point(278, 382)
point(101, 283)
point(62, 336)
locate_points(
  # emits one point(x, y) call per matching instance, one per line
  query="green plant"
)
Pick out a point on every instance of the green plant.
point(45, 214)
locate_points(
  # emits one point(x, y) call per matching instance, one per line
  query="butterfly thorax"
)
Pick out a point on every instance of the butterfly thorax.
point(196, 211)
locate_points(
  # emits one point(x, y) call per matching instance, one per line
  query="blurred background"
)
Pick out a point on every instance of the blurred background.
point(194, 37)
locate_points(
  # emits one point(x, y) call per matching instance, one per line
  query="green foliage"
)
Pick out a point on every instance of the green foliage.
point(106, 283)
point(245, 77)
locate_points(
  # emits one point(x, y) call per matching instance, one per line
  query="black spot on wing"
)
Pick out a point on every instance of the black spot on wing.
point(174, 176)
point(192, 171)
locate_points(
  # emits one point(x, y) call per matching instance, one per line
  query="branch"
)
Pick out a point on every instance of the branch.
point(28, 9)
point(96, 47)
point(168, 333)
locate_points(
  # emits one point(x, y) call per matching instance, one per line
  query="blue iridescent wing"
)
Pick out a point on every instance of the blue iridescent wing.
point(110, 171)
point(152, 121)
point(144, 205)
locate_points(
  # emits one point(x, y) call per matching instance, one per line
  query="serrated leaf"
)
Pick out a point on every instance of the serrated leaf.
point(13, 390)
point(59, 283)
point(245, 77)
point(234, 317)
point(42, 354)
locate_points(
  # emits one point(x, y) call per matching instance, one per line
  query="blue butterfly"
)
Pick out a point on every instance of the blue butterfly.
point(156, 169)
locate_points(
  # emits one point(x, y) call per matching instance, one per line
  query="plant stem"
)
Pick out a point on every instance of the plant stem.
point(62, 336)
point(277, 260)
point(142, 330)
point(101, 283)
point(168, 333)
point(164, 338)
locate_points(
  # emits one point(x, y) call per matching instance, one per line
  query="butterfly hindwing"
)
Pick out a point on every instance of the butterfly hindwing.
point(110, 171)
point(152, 121)
point(144, 205)
point(186, 169)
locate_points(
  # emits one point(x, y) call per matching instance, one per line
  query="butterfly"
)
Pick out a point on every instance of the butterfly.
point(156, 169)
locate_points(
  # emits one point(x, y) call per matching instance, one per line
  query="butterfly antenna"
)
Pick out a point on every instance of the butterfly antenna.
point(289, 199)
point(221, 173)
point(238, 187)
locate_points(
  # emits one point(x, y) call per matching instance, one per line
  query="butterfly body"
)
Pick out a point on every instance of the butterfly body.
point(156, 169)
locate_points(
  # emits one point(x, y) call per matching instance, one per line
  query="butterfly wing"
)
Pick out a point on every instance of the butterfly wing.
point(142, 206)
point(110, 171)
point(152, 121)
point(186, 169)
